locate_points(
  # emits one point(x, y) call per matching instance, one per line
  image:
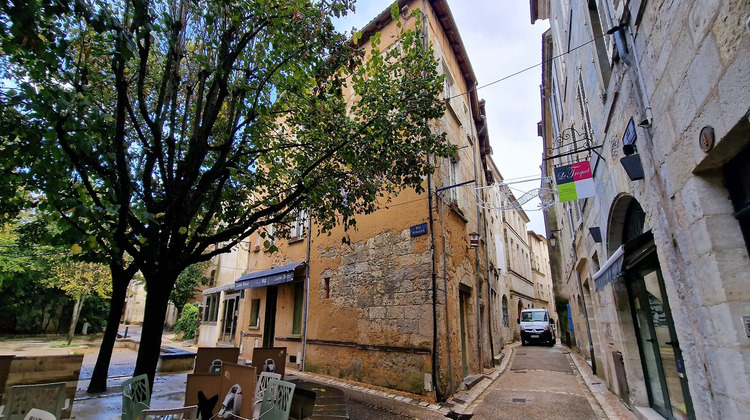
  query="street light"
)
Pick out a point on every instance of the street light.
point(552, 238)
point(474, 240)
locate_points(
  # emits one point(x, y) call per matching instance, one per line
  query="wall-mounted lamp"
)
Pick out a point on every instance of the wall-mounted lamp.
point(474, 240)
point(552, 238)
point(632, 162)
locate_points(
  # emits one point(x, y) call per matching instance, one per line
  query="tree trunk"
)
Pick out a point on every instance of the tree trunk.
point(74, 318)
point(157, 300)
point(120, 280)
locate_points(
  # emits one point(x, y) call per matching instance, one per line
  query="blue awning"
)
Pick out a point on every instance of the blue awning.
point(218, 289)
point(278, 275)
point(611, 270)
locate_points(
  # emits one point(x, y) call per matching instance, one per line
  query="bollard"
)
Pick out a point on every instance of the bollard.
point(126, 333)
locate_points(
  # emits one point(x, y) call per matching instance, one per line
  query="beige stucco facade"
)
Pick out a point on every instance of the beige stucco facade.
point(406, 302)
point(662, 294)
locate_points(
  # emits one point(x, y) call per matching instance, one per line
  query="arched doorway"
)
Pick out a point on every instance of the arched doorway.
point(661, 360)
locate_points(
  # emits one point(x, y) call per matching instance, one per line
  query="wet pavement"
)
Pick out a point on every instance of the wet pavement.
point(530, 382)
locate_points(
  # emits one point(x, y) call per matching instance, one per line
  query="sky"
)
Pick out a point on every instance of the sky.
point(500, 41)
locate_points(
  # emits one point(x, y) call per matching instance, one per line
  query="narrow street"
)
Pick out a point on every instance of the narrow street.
point(542, 383)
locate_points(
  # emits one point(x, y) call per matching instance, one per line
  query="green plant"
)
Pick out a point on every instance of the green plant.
point(188, 322)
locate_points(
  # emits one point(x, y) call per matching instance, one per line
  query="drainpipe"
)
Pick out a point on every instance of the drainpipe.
point(307, 296)
point(445, 291)
point(489, 296)
point(435, 347)
point(476, 250)
point(622, 49)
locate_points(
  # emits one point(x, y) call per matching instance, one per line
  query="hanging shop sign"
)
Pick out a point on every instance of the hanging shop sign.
point(574, 181)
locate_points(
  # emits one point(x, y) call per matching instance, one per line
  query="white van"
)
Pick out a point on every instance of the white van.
point(537, 326)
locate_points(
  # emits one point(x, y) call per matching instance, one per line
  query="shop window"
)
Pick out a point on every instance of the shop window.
point(737, 178)
point(212, 308)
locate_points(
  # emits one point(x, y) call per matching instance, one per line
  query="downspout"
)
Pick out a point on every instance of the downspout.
point(307, 296)
point(622, 49)
point(445, 291)
point(435, 348)
point(479, 228)
point(489, 296)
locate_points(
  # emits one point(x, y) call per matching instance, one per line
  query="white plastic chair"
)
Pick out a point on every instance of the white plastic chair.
point(136, 397)
point(37, 414)
point(277, 400)
point(181, 413)
point(23, 398)
point(260, 388)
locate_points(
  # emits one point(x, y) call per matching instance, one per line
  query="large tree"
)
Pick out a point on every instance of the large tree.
point(183, 126)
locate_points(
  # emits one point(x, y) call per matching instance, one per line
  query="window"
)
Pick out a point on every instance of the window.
point(212, 308)
point(254, 313)
point(269, 240)
point(453, 180)
point(601, 56)
point(326, 292)
point(505, 312)
point(298, 226)
point(299, 295)
point(448, 82)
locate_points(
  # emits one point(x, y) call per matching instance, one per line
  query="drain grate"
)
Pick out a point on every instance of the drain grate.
point(519, 400)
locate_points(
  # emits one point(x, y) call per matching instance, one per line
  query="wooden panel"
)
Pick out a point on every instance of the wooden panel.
point(210, 384)
point(206, 355)
point(277, 354)
point(28, 370)
point(244, 376)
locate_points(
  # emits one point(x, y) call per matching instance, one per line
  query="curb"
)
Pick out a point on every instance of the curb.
point(463, 403)
point(610, 404)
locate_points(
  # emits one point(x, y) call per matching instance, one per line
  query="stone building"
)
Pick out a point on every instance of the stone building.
point(646, 106)
point(410, 302)
point(540, 272)
point(521, 293)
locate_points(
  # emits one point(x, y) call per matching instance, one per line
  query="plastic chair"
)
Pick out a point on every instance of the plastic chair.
point(181, 413)
point(260, 388)
point(37, 414)
point(277, 400)
point(23, 398)
point(136, 397)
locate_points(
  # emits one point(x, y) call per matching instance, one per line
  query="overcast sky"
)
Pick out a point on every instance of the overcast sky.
point(500, 41)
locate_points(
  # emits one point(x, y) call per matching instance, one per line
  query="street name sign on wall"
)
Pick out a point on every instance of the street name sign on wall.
point(418, 230)
point(574, 181)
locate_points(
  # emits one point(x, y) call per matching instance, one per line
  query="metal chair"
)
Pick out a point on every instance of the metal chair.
point(277, 400)
point(23, 398)
point(136, 397)
point(37, 414)
point(260, 388)
point(181, 413)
